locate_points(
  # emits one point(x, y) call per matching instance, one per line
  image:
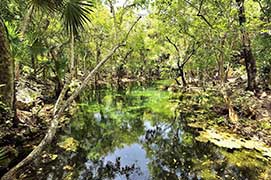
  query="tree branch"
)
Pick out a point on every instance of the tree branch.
point(199, 12)
point(173, 44)
point(262, 8)
point(188, 57)
point(131, 28)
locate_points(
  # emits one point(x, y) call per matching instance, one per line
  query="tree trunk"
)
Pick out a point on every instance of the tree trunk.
point(246, 49)
point(33, 62)
point(72, 60)
point(182, 76)
point(7, 88)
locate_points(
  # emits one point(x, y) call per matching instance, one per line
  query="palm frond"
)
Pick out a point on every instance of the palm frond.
point(51, 5)
point(76, 14)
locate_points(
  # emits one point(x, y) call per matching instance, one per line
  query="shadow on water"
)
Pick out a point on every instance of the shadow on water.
point(137, 133)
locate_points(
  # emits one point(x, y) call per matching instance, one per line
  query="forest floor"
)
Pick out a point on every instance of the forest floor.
point(211, 115)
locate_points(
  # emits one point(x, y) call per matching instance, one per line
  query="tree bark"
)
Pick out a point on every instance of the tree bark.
point(72, 60)
point(182, 76)
point(7, 88)
point(26, 20)
point(246, 48)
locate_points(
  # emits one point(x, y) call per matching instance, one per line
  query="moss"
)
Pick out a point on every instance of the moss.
point(208, 174)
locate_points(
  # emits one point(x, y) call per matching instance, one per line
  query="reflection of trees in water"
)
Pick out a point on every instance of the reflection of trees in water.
point(110, 170)
point(111, 120)
point(177, 155)
point(116, 126)
point(76, 166)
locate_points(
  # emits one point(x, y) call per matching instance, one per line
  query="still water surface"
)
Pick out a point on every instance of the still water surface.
point(138, 133)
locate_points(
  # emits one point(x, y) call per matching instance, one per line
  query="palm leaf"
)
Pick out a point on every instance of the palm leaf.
point(75, 14)
point(51, 5)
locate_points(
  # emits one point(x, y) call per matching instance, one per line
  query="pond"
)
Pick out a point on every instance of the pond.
point(139, 133)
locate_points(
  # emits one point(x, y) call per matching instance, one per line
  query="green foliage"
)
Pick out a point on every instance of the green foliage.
point(68, 144)
point(213, 26)
point(75, 14)
point(46, 4)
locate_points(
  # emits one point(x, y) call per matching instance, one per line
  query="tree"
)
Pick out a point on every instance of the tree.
point(7, 91)
point(181, 63)
point(74, 14)
point(246, 48)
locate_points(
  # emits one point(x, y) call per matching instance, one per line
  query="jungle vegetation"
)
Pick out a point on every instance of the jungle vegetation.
point(61, 48)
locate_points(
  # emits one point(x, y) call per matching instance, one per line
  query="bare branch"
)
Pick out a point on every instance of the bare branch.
point(173, 44)
point(199, 12)
point(188, 57)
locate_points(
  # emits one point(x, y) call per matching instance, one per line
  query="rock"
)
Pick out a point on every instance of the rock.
point(46, 112)
point(244, 77)
point(231, 141)
point(25, 98)
point(263, 95)
point(232, 80)
point(25, 117)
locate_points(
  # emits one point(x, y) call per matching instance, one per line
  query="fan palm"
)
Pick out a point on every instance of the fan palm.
point(74, 14)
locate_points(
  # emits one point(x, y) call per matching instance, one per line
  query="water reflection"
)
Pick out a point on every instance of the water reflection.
point(133, 155)
point(138, 134)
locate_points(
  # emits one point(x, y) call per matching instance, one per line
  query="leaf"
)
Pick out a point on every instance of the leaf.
point(53, 156)
point(50, 5)
point(68, 168)
point(75, 14)
point(69, 144)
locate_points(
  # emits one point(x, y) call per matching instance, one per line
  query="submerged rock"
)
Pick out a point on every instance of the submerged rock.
point(231, 141)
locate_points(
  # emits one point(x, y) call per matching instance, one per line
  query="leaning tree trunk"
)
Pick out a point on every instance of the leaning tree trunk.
point(246, 49)
point(7, 89)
